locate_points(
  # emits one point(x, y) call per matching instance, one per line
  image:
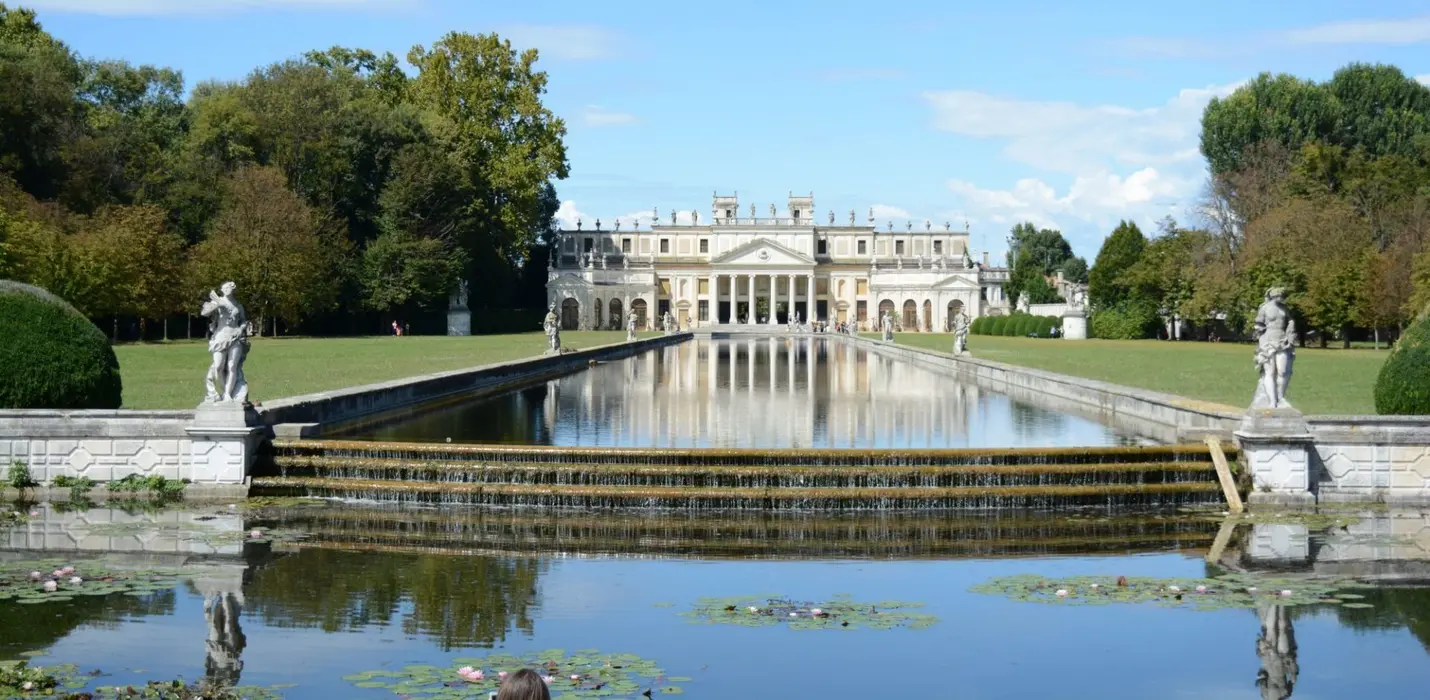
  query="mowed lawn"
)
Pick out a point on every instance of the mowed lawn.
point(171, 375)
point(1330, 381)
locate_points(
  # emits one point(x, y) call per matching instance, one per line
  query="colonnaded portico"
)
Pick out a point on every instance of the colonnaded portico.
point(774, 270)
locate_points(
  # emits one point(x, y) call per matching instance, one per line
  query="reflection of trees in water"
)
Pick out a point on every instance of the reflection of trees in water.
point(1032, 422)
point(1391, 609)
point(457, 600)
point(27, 627)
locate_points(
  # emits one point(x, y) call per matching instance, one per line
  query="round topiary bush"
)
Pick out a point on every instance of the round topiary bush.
point(997, 325)
point(51, 356)
point(1403, 387)
point(978, 325)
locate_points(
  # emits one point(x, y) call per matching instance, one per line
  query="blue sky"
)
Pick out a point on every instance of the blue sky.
point(1072, 115)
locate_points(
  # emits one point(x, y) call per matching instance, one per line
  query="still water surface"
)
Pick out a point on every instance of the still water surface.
point(336, 605)
point(757, 392)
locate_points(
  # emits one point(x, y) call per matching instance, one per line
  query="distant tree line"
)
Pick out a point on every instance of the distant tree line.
point(339, 189)
point(1321, 188)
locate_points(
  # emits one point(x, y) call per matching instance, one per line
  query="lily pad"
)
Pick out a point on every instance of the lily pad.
point(840, 612)
point(1230, 591)
point(18, 585)
point(586, 674)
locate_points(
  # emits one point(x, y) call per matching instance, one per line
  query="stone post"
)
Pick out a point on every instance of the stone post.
point(750, 314)
point(224, 439)
point(774, 299)
point(809, 299)
point(1075, 324)
point(792, 309)
point(1276, 445)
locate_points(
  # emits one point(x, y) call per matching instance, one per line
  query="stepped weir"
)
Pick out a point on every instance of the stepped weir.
point(743, 479)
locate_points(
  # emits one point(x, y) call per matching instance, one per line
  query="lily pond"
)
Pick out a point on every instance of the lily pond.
point(305, 599)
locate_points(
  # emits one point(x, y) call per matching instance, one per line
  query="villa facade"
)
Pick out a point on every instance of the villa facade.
point(772, 270)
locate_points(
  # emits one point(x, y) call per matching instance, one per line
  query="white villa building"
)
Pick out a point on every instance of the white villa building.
point(746, 270)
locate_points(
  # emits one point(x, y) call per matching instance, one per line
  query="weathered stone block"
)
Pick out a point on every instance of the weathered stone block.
point(127, 448)
point(61, 448)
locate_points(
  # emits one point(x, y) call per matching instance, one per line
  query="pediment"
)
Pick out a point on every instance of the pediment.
point(957, 282)
point(762, 252)
point(567, 281)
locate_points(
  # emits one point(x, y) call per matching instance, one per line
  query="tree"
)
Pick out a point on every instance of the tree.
point(1167, 272)
point(402, 272)
point(285, 257)
point(1075, 270)
point(1119, 252)
point(145, 260)
point(38, 112)
point(486, 100)
point(1035, 254)
point(1281, 109)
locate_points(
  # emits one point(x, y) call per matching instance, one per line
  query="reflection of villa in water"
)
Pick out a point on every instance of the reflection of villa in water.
point(781, 392)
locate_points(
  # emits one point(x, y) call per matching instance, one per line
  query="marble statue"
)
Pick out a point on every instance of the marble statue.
point(752, 210)
point(655, 215)
point(909, 226)
point(695, 217)
point(947, 226)
point(772, 211)
point(960, 332)
point(1023, 302)
point(891, 225)
point(851, 217)
point(887, 324)
point(871, 214)
point(1275, 350)
point(831, 217)
point(928, 225)
point(228, 343)
point(667, 322)
point(552, 325)
point(630, 327)
point(459, 298)
point(1079, 299)
point(625, 263)
point(618, 223)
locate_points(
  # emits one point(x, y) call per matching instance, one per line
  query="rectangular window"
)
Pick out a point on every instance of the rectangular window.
point(898, 247)
point(704, 310)
point(938, 247)
point(863, 249)
point(665, 245)
point(626, 245)
point(796, 213)
point(729, 213)
point(703, 286)
point(823, 247)
point(589, 244)
point(705, 246)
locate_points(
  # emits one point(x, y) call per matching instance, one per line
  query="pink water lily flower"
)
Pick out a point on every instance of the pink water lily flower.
point(68, 570)
point(255, 534)
point(1285, 594)
point(1095, 586)
point(817, 612)
point(575, 677)
point(501, 675)
point(51, 586)
point(1062, 593)
point(35, 575)
point(1201, 589)
point(58, 573)
point(794, 614)
point(465, 670)
point(549, 679)
point(76, 580)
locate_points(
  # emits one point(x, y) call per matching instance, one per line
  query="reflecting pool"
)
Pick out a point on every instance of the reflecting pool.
point(756, 392)
point(328, 592)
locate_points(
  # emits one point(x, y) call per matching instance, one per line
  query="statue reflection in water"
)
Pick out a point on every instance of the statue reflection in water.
point(1276, 647)
point(222, 663)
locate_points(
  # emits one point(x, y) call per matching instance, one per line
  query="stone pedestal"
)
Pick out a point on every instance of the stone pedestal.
point(459, 322)
point(225, 440)
point(1276, 445)
point(1075, 324)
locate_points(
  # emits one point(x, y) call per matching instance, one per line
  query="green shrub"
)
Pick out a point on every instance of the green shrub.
point(995, 327)
point(78, 485)
point(1026, 325)
point(51, 356)
point(18, 476)
point(978, 326)
point(1403, 387)
point(1124, 323)
point(155, 483)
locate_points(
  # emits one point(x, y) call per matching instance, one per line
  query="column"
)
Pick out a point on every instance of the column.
point(751, 313)
point(734, 297)
point(774, 297)
point(714, 299)
point(791, 304)
point(809, 300)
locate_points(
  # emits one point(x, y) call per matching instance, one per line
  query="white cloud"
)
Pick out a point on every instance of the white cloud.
point(1116, 162)
point(596, 115)
point(1423, 79)
point(568, 42)
point(190, 7)
point(567, 214)
point(885, 211)
point(1072, 138)
point(1407, 30)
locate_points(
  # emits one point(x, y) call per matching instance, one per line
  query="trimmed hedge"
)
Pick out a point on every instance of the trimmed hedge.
point(1132, 322)
point(1016, 325)
point(51, 356)
point(1403, 387)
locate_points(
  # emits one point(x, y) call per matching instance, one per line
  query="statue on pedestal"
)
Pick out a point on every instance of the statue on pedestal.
point(228, 343)
point(667, 322)
point(1023, 303)
point(1275, 350)
point(630, 327)
point(695, 217)
point(960, 332)
point(851, 217)
point(887, 325)
point(552, 325)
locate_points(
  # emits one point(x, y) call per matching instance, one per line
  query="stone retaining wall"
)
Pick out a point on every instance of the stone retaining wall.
point(311, 415)
point(1371, 458)
point(1165, 417)
point(102, 445)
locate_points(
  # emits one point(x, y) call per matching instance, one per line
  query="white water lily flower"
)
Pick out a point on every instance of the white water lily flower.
point(1174, 589)
point(753, 609)
point(1062, 592)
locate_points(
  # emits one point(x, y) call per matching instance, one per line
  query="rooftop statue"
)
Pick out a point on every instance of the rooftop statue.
point(752, 210)
point(598, 224)
point(772, 211)
point(831, 217)
point(851, 217)
point(228, 343)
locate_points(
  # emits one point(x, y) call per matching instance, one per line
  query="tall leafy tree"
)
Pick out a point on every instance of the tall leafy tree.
point(1036, 254)
point(39, 77)
point(1107, 285)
